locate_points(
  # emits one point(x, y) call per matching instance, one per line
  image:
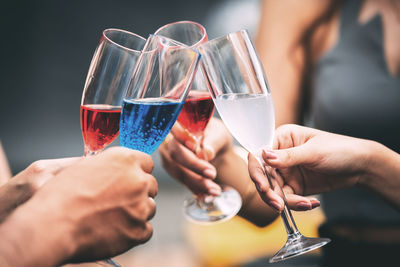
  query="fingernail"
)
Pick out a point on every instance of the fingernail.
point(275, 205)
point(315, 203)
point(269, 154)
point(214, 191)
point(210, 173)
point(303, 206)
point(190, 144)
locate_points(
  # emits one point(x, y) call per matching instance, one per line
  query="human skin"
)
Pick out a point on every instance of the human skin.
point(25, 184)
point(311, 161)
point(216, 162)
point(96, 208)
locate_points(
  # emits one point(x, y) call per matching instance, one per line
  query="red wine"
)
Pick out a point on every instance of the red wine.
point(100, 125)
point(196, 112)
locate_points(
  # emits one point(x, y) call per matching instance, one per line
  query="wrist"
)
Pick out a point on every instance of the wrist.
point(231, 165)
point(369, 155)
point(35, 235)
point(382, 166)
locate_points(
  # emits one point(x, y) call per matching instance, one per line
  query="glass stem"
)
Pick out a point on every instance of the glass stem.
point(205, 203)
point(88, 152)
point(288, 221)
point(286, 214)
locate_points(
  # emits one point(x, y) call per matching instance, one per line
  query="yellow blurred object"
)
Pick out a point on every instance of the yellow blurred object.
point(238, 241)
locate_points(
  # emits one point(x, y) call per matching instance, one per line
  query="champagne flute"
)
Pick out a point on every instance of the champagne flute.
point(107, 81)
point(194, 117)
point(242, 96)
point(157, 92)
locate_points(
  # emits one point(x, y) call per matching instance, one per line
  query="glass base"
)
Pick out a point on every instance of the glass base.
point(298, 244)
point(218, 209)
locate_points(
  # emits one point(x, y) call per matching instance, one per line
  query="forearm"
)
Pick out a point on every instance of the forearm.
point(383, 173)
point(33, 237)
point(232, 170)
point(5, 172)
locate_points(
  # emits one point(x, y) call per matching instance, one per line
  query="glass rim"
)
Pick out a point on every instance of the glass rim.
point(104, 34)
point(198, 25)
point(177, 44)
point(226, 36)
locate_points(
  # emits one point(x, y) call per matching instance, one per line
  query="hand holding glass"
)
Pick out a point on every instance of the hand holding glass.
point(194, 117)
point(107, 81)
point(242, 96)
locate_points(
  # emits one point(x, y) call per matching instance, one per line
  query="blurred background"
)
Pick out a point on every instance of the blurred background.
point(46, 50)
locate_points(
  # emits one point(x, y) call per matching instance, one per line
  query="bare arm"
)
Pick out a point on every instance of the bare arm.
point(5, 172)
point(281, 27)
point(25, 184)
point(226, 166)
point(314, 162)
point(96, 208)
point(383, 173)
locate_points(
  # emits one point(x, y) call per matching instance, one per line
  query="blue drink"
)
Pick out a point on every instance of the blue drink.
point(146, 122)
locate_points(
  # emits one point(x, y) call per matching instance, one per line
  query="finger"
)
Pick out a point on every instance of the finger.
point(285, 158)
point(153, 187)
point(145, 234)
point(146, 162)
point(183, 136)
point(152, 208)
point(298, 202)
point(142, 159)
point(186, 158)
point(198, 184)
point(263, 186)
point(257, 174)
point(301, 203)
point(53, 165)
point(168, 164)
point(216, 139)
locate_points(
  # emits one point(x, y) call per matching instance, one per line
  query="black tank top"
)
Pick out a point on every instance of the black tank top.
point(354, 94)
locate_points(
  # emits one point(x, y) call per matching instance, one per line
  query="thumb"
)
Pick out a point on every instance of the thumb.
point(209, 148)
point(285, 158)
point(183, 136)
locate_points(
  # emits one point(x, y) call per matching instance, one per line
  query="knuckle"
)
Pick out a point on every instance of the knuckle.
point(143, 211)
point(154, 185)
point(151, 165)
point(174, 154)
point(147, 233)
point(152, 209)
point(38, 167)
point(141, 183)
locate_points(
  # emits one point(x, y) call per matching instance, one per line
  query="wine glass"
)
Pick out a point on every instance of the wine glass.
point(157, 92)
point(107, 81)
point(194, 117)
point(242, 96)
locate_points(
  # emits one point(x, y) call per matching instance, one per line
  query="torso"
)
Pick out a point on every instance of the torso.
point(327, 34)
point(356, 92)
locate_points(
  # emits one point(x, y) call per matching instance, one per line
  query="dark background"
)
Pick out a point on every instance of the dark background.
point(46, 48)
